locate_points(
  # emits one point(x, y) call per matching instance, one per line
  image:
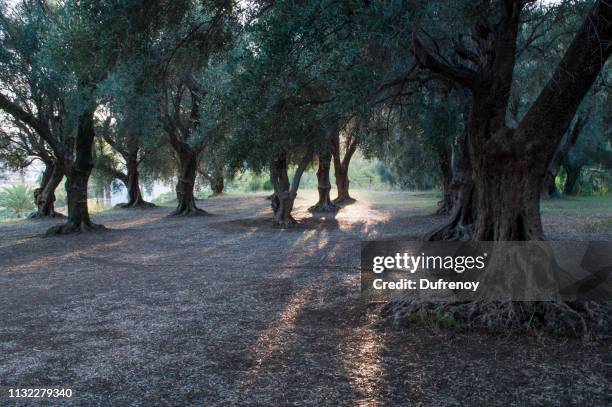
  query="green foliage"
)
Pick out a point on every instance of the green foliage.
point(165, 199)
point(418, 139)
point(18, 199)
point(303, 68)
point(249, 182)
point(272, 78)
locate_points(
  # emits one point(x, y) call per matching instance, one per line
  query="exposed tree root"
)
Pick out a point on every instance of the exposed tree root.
point(574, 319)
point(453, 231)
point(344, 201)
point(285, 223)
point(71, 227)
point(136, 205)
point(189, 211)
point(324, 207)
point(443, 208)
point(52, 215)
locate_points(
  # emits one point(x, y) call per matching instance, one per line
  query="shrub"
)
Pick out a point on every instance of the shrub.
point(267, 185)
point(253, 185)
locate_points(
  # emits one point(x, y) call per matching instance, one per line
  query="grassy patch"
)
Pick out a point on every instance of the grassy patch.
point(602, 224)
point(400, 198)
point(579, 204)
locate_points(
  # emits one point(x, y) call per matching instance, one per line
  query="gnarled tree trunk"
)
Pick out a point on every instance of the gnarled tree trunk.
point(549, 187)
point(526, 151)
point(341, 167)
point(325, 203)
point(186, 205)
point(284, 192)
point(445, 206)
point(282, 199)
point(77, 178)
point(510, 164)
point(463, 192)
point(508, 199)
point(342, 186)
point(44, 196)
point(135, 199)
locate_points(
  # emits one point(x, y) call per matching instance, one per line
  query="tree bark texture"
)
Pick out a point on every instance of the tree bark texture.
point(44, 196)
point(132, 183)
point(285, 192)
point(445, 206)
point(77, 178)
point(325, 203)
point(186, 204)
point(463, 192)
point(549, 187)
point(341, 167)
point(510, 164)
point(180, 122)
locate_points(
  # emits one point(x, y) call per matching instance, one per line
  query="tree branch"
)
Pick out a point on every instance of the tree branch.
point(460, 74)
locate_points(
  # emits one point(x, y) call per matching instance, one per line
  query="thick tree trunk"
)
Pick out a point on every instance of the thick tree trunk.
point(341, 167)
point(77, 176)
point(342, 185)
point(44, 196)
point(284, 192)
point(510, 164)
point(549, 186)
point(135, 199)
point(186, 205)
point(445, 206)
point(463, 192)
point(509, 200)
point(325, 203)
point(571, 186)
point(282, 200)
point(508, 177)
point(522, 155)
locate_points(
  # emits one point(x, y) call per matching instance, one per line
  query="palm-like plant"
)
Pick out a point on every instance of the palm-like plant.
point(17, 199)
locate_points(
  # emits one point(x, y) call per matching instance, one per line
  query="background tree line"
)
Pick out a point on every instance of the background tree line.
point(499, 103)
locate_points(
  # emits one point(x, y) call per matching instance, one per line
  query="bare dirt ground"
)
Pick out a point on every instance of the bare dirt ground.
point(226, 310)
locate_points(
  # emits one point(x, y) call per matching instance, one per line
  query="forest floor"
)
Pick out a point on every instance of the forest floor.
point(227, 310)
